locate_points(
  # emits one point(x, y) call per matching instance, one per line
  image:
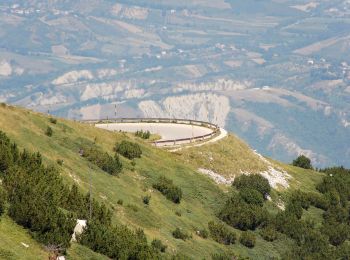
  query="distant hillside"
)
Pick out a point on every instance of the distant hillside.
point(188, 211)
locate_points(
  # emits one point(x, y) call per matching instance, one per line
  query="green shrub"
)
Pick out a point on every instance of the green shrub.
point(221, 234)
point(142, 134)
point(146, 199)
point(53, 120)
point(337, 184)
point(103, 160)
point(239, 214)
point(247, 239)
point(336, 214)
point(253, 181)
point(269, 233)
point(120, 202)
point(291, 226)
point(313, 246)
point(342, 251)
point(252, 196)
point(294, 207)
point(303, 162)
point(168, 189)
point(318, 200)
point(158, 245)
point(178, 234)
point(117, 242)
point(337, 233)
point(49, 131)
point(178, 213)
point(128, 149)
point(59, 162)
point(302, 197)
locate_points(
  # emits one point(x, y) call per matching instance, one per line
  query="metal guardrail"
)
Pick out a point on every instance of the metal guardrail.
point(172, 142)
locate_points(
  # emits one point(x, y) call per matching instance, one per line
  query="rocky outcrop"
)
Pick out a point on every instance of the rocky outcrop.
point(201, 106)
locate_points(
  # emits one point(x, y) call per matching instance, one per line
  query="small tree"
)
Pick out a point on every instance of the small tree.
point(303, 162)
point(49, 131)
point(146, 199)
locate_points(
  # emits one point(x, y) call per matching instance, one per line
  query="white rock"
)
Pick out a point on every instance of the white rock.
point(200, 106)
point(79, 228)
point(73, 77)
point(25, 245)
point(216, 177)
point(5, 68)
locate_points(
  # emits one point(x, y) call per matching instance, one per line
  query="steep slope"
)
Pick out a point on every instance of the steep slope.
point(202, 197)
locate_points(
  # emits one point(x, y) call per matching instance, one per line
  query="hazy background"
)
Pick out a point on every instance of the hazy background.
point(277, 73)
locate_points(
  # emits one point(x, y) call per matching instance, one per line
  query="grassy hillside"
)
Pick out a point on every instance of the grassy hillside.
point(229, 157)
point(11, 238)
point(202, 197)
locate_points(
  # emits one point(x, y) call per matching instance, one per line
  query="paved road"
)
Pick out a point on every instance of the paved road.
point(167, 131)
point(223, 134)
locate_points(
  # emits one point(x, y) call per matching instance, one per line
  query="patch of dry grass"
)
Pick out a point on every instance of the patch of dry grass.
point(228, 157)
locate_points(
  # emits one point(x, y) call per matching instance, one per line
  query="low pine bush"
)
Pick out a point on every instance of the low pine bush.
point(253, 181)
point(49, 131)
point(221, 234)
point(104, 161)
point(168, 189)
point(179, 234)
point(53, 120)
point(142, 134)
point(146, 199)
point(128, 149)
